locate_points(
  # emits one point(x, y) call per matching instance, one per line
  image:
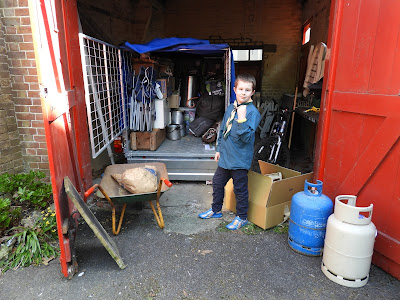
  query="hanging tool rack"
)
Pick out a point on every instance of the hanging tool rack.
point(141, 103)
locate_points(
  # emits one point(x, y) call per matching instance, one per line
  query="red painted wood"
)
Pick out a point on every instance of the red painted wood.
point(78, 110)
point(66, 129)
point(371, 104)
point(383, 79)
point(50, 44)
point(381, 260)
point(361, 134)
point(331, 60)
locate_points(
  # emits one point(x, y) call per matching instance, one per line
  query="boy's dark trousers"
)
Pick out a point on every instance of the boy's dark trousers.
point(240, 180)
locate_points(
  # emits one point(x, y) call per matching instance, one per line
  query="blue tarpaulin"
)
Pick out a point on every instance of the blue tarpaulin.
point(187, 45)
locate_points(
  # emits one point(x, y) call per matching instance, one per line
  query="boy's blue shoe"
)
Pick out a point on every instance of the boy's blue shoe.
point(236, 224)
point(210, 214)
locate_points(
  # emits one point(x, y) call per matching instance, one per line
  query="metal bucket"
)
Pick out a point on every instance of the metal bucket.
point(174, 132)
point(177, 117)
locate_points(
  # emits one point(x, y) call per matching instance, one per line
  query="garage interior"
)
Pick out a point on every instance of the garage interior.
point(279, 34)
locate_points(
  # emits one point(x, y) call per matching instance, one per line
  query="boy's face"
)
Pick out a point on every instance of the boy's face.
point(244, 91)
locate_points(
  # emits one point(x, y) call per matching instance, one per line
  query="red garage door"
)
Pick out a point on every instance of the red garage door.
point(55, 32)
point(358, 148)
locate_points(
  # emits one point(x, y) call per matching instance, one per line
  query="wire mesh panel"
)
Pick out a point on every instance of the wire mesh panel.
point(104, 92)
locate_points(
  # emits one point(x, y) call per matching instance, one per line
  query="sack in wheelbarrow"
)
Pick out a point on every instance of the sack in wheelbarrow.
point(138, 180)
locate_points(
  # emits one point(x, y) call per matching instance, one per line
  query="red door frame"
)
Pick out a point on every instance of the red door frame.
point(335, 27)
point(66, 128)
point(371, 103)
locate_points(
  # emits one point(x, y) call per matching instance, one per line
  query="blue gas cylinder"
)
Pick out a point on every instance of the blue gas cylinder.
point(309, 214)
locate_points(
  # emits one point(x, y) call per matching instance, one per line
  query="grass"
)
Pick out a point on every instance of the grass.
point(222, 227)
point(252, 229)
point(249, 229)
point(282, 229)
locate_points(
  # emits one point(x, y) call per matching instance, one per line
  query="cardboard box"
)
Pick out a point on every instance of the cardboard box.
point(173, 101)
point(162, 116)
point(267, 198)
point(147, 140)
point(167, 86)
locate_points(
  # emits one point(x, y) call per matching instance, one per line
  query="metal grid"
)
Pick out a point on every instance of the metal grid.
point(104, 92)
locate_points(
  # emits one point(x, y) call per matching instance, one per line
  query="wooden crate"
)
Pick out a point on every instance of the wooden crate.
point(148, 140)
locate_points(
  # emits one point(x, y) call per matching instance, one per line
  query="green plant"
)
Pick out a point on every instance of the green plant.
point(33, 245)
point(4, 212)
point(8, 215)
point(27, 252)
point(7, 185)
point(222, 226)
point(249, 229)
point(27, 188)
point(252, 229)
point(282, 228)
point(47, 225)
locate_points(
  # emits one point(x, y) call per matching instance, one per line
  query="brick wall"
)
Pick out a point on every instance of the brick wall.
point(10, 149)
point(20, 56)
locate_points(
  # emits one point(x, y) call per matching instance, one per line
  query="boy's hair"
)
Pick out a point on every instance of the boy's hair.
point(246, 78)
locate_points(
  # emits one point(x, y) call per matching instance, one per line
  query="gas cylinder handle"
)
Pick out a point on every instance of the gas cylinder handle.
point(316, 186)
point(351, 199)
point(349, 213)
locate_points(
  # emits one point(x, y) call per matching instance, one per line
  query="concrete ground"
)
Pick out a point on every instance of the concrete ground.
point(190, 259)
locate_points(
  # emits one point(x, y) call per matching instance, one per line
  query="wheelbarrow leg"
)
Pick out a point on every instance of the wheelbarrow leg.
point(91, 190)
point(115, 232)
point(159, 217)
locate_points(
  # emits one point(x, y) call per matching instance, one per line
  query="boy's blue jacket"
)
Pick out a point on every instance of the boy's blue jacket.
point(236, 151)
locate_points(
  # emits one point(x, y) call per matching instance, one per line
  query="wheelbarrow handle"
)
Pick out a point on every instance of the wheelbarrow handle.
point(89, 192)
point(167, 182)
point(93, 188)
point(97, 186)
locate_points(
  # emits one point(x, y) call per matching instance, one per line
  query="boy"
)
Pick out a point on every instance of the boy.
point(235, 148)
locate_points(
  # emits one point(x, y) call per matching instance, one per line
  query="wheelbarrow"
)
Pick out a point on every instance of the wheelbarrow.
point(116, 194)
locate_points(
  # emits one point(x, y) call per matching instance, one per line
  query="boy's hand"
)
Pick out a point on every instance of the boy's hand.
point(216, 158)
point(241, 112)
